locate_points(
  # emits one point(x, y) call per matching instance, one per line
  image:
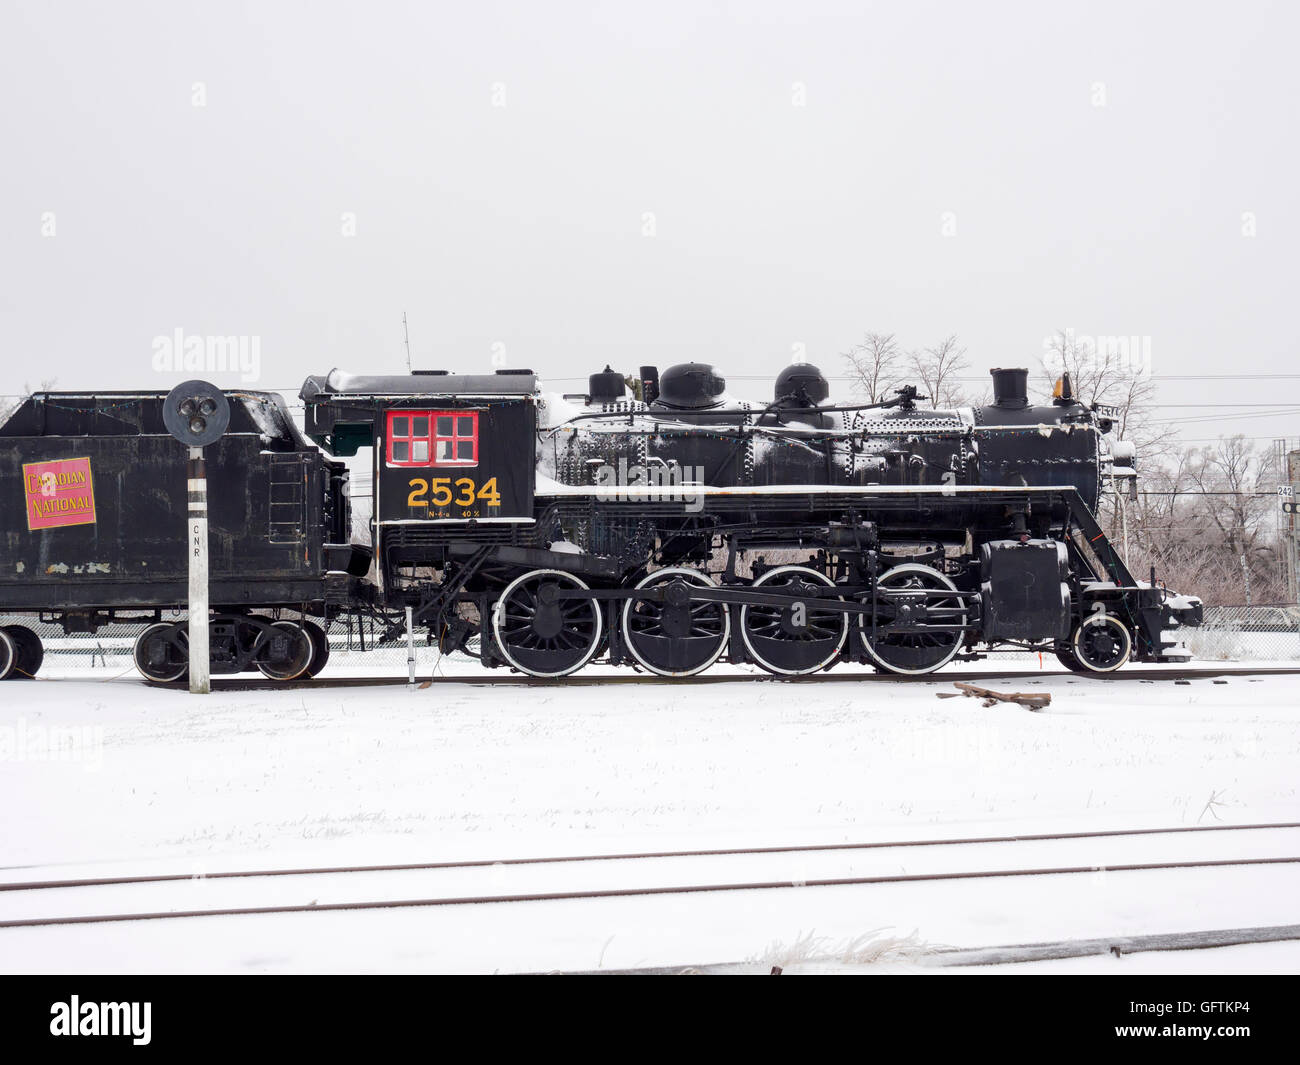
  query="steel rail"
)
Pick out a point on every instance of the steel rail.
point(578, 679)
point(692, 889)
point(717, 852)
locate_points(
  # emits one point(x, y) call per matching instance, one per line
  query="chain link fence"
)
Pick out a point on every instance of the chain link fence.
point(1230, 633)
point(1248, 634)
point(355, 646)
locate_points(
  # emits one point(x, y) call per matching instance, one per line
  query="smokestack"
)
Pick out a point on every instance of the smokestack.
point(1010, 389)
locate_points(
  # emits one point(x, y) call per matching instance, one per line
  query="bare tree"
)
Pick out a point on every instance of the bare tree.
point(938, 368)
point(1111, 378)
point(1231, 479)
point(874, 364)
point(7, 409)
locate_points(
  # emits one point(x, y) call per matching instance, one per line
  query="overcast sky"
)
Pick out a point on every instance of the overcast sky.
point(573, 184)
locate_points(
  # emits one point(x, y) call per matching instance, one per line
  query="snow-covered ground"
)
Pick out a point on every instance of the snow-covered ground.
point(152, 780)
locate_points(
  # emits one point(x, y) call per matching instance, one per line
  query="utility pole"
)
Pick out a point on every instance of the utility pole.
point(406, 333)
point(1291, 458)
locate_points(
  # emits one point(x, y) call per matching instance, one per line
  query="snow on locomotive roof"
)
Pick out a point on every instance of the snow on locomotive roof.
point(501, 383)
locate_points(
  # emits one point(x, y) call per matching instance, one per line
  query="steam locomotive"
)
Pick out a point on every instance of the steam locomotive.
point(655, 522)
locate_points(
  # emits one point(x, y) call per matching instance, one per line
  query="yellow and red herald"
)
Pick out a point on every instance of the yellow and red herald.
point(59, 493)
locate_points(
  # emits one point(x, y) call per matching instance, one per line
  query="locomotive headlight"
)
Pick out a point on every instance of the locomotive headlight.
point(1063, 390)
point(197, 425)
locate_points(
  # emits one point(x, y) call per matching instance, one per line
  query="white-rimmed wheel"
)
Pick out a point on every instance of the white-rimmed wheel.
point(676, 637)
point(320, 648)
point(162, 652)
point(916, 648)
point(1101, 643)
point(286, 654)
point(29, 652)
point(799, 638)
point(8, 656)
point(542, 634)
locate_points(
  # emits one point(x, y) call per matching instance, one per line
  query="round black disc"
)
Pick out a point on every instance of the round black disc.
point(196, 413)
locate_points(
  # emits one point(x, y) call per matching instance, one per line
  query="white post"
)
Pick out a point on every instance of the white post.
point(197, 532)
point(410, 647)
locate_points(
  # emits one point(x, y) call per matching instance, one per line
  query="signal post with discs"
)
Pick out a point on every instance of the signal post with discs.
point(197, 414)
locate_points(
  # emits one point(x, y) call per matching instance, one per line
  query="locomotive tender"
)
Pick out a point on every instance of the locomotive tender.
point(666, 530)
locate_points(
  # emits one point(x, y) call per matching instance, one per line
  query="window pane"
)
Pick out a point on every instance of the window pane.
point(466, 426)
point(421, 426)
point(401, 451)
point(444, 426)
point(420, 450)
point(444, 451)
point(465, 450)
point(401, 426)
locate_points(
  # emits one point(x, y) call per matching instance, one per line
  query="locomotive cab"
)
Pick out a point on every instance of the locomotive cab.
point(452, 453)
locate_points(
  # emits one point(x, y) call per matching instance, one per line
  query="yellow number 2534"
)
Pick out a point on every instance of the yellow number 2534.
point(445, 492)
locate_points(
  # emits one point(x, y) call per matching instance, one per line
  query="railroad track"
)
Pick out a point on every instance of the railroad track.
point(1049, 855)
point(504, 678)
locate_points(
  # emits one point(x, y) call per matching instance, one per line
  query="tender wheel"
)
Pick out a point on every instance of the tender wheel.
point(320, 648)
point(1101, 643)
point(30, 652)
point(162, 652)
point(799, 638)
point(913, 652)
point(676, 638)
point(541, 634)
point(8, 655)
point(287, 654)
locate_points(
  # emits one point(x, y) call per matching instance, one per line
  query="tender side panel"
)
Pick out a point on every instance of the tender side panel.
point(265, 515)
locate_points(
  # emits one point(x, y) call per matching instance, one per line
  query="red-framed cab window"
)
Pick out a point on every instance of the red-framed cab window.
point(432, 438)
